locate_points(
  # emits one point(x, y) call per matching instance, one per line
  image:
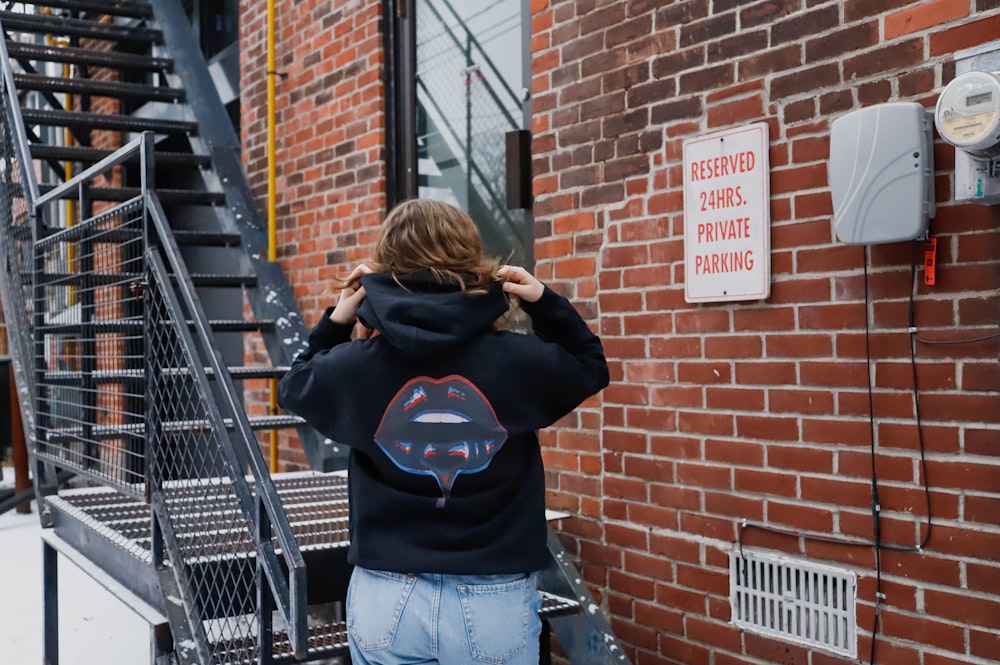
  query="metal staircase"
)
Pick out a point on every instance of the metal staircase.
point(133, 285)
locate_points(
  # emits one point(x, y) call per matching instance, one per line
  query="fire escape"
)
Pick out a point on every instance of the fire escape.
point(133, 284)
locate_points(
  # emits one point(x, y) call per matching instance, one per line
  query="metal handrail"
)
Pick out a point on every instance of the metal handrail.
point(261, 506)
point(483, 189)
point(291, 594)
point(119, 156)
point(24, 153)
point(21, 329)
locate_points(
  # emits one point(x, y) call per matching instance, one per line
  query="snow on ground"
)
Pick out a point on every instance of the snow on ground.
point(95, 628)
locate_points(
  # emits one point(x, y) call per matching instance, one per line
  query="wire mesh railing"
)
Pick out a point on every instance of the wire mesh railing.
point(90, 348)
point(193, 497)
point(201, 445)
point(17, 233)
point(117, 390)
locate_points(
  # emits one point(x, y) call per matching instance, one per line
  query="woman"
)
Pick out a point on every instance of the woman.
point(440, 409)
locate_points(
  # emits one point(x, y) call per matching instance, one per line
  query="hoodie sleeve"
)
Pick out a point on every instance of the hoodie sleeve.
point(301, 390)
point(567, 365)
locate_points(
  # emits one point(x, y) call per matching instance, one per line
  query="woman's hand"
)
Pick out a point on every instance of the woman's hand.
point(521, 283)
point(351, 296)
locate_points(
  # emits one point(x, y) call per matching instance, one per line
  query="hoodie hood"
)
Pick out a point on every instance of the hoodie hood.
point(427, 317)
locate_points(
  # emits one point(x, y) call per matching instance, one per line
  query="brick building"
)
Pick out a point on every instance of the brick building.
point(757, 426)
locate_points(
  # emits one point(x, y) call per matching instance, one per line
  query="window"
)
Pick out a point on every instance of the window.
point(458, 87)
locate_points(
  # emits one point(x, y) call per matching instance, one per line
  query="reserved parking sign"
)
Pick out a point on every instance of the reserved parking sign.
point(727, 216)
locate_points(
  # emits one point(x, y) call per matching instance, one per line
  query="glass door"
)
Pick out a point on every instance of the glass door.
point(466, 84)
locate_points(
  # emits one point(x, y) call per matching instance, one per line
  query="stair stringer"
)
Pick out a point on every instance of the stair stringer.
point(273, 299)
point(586, 636)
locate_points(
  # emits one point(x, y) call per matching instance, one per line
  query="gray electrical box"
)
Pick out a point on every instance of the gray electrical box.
point(881, 173)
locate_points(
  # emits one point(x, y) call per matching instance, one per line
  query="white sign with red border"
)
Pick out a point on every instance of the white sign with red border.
point(727, 216)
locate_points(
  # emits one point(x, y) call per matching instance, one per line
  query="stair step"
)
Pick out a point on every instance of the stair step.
point(327, 511)
point(122, 123)
point(97, 88)
point(129, 193)
point(83, 56)
point(207, 238)
point(256, 372)
point(130, 375)
point(327, 640)
point(97, 279)
point(238, 325)
point(65, 435)
point(91, 229)
point(223, 281)
point(184, 237)
point(317, 508)
point(94, 155)
point(134, 326)
point(129, 8)
point(256, 423)
point(73, 27)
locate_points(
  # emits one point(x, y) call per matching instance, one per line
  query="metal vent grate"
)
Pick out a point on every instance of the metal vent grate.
point(793, 600)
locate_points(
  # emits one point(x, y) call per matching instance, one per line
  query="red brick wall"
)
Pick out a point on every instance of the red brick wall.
point(718, 412)
point(759, 410)
point(330, 143)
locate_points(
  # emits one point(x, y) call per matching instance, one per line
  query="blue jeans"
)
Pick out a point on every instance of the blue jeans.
point(398, 618)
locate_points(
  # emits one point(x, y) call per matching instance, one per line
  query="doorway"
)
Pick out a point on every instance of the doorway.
point(460, 76)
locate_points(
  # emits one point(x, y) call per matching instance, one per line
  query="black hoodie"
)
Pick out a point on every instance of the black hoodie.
point(440, 411)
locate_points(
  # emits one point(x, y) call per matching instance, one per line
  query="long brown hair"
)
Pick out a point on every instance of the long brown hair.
point(425, 235)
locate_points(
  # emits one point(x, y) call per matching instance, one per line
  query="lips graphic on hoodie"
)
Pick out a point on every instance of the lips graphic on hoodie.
point(440, 428)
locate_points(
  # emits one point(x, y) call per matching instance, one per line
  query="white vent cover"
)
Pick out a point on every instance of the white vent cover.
point(794, 600)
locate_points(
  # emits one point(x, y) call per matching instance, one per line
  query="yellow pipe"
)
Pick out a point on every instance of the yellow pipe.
point(68, 174)
point(272, 205)
point(68, 141)
point(272, 250)
point(67, 132)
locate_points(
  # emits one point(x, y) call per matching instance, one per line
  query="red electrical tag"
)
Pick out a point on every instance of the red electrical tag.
point(930, 261)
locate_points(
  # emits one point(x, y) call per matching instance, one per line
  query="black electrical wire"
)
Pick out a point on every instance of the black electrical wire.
point(973, 340)
point(875, 508)
point(876, 543)
point(924, 340)
point(911, 320)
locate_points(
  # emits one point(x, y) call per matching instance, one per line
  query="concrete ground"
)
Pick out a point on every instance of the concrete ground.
point(95, 627)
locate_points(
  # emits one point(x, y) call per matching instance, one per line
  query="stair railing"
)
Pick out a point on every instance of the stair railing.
point(188, 438)
point(229, 586)
point(217, 137)
point(18, 190)
point(495, 198)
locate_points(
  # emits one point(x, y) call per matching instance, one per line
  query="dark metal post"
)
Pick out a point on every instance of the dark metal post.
point(22, 481)
point(50, 596)
point(88, 343)
point(468, 118)
point(265, 602)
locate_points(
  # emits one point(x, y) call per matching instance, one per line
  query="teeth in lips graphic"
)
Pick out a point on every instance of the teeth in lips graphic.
point(440, 428)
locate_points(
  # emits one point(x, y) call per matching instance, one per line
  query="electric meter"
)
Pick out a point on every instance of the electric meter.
point(968, 113)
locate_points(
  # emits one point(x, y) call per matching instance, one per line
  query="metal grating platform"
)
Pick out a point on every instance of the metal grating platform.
point(112, 529)
point(330, 639)
point(316, 505)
